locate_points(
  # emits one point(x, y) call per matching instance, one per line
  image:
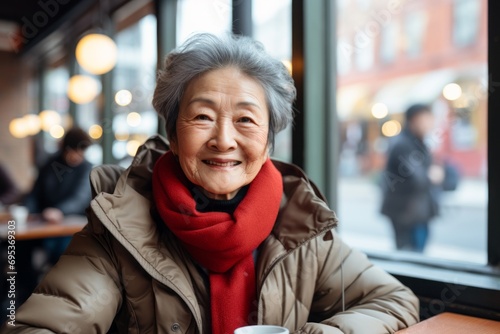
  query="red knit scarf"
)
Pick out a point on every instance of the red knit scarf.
point(220, 242)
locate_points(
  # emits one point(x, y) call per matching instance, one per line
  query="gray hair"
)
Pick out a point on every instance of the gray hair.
point(205, 52)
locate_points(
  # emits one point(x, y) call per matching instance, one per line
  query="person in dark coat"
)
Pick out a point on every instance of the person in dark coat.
point(411, 182)
point(62, 186)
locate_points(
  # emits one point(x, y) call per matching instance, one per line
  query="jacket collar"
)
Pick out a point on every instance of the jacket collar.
point(123, 200)
point(122, 203)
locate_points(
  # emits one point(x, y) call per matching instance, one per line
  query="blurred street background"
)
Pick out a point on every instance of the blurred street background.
point(459, 233)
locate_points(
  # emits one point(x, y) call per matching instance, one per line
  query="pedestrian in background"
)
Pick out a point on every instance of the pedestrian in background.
point(411, 182)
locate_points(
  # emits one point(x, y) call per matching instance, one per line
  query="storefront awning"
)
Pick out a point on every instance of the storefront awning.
point(425, 88)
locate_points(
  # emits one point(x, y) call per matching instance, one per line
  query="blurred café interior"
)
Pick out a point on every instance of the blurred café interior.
point(357, 65)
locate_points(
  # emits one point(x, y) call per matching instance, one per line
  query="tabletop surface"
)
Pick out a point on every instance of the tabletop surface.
point(37, 229)
point(451, 323)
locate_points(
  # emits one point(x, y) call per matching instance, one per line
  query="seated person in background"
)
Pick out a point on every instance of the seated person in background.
point(212, 235)
point(62, 186)
point(9, 193)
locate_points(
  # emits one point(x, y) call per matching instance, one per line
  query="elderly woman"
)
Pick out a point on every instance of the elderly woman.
point(211, 235)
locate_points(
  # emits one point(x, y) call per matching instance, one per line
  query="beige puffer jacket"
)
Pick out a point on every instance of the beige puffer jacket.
point(126, 273)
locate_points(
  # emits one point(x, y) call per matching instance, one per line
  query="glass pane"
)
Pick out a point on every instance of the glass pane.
point(195, 16)
point(133, 85)
point(425, 169)
point(272, 26)
point(87, 117)
point(56, 106)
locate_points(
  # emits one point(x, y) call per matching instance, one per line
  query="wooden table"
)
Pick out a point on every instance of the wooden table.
point(38, 229)
point(452, 323)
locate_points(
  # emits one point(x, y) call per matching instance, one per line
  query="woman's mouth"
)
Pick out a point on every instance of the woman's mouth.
point(222, 163)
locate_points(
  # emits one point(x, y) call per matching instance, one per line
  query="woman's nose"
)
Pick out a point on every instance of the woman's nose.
point(224, 137)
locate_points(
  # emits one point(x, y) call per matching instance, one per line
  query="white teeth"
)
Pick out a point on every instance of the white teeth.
point(222, 164)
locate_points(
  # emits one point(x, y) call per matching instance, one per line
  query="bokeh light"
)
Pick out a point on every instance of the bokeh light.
point(391, 128)
point(95, 131)
point(56, 131)
point(134, 119)
point(452, 91)
point(121, 136)
point(32, 124)
point(96, 53)
point(123, 97)
point(83, 89)
point(48, 118)
point(17, 128)
point(379, 110)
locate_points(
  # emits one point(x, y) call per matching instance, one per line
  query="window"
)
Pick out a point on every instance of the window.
point(55, 82)
point(364, 54)
point(133, 85)
point(196, 16)
point(272, 26)
point(466, 17)
point(415, 29)
point(344, 56)
point(371, 108)
point(389, 43)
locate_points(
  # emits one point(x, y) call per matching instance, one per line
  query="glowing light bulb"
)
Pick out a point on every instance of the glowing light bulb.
point(56, 131)
point(123, 97)
point(96, 53)
point(83, 89)
point(391, 128)
point(48, 118)
point(95, 131)
point(380, 110)
point(452, 91)
point(134, 119)
point(17, 128)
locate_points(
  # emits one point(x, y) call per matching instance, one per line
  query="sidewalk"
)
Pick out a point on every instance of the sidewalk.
point(469, 193)
point(459, 233)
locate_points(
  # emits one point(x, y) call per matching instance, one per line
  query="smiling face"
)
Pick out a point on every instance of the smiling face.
point(221, 131)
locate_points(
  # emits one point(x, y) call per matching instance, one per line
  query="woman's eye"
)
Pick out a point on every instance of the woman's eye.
point(245, 120)
point(202, 117)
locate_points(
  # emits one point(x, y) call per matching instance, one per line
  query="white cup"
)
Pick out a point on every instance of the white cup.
point(261, 329)
point(19, 214)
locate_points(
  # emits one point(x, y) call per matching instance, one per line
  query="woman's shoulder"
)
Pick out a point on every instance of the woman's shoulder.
point(304, 212)
point(103, 178)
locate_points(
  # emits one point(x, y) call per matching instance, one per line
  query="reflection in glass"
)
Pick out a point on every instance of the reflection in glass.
point(430, 53)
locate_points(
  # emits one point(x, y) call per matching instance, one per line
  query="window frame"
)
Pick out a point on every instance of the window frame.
point(493, 135)
point(434, 288)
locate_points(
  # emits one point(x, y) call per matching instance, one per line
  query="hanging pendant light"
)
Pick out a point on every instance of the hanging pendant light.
point(83, 89)
point(96, 53)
